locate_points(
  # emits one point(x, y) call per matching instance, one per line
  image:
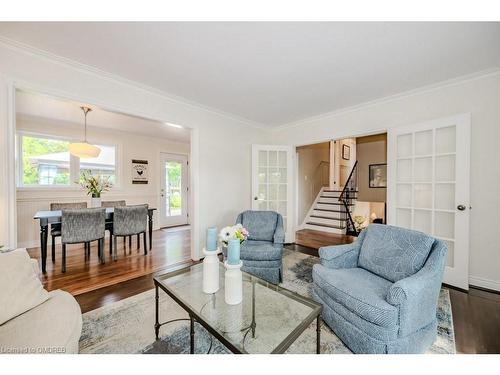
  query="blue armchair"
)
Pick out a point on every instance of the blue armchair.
point(262, 252)
point(380, 293)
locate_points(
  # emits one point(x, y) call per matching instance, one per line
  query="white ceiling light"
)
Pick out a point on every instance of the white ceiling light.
point(174, 125)
point(84, 150)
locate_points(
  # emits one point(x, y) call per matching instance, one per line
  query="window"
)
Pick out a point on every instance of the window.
point(46, 161)
point(104, 165)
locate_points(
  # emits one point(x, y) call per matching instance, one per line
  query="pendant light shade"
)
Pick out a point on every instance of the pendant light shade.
point(84, 150)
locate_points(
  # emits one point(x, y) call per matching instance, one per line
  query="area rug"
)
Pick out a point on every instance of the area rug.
point(126, 326)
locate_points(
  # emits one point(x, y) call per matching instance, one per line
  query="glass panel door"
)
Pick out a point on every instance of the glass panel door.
point(272, 182)
point(173, 190)
point(427, 190)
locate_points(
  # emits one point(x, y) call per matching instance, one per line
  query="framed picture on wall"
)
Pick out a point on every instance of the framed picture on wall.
point(377, 175)
point(346, 152)
point(139, 171)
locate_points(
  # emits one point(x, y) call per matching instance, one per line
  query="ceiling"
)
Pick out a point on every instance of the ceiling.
point(273, 73)
point(68, 113)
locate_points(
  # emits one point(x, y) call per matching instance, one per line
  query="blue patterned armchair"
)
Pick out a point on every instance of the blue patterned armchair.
point(380, 293)
point(262, 252)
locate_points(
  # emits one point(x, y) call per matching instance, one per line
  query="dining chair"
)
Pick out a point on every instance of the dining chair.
point(129, 221)
point(55, 229)
point(83, 226)
point(109, 224)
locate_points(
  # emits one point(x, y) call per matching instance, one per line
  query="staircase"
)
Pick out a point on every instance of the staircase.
point(327, 213)
point(332, 209)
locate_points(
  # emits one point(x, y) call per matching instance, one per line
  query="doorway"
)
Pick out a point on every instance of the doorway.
point(173, 190)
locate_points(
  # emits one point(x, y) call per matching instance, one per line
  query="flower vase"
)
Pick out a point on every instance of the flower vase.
point(95, 202)
point(233, 283)
point(211, 271)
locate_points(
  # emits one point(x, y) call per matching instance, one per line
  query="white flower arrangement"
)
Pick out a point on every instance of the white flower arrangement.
point(233, 232)
point(360, 222)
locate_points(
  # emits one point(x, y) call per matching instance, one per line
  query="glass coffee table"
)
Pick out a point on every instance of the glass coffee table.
point(268, 320)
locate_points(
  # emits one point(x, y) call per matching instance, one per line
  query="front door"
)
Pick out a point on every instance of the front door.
point(428, 186)
point(272, 182)
point(173, 190)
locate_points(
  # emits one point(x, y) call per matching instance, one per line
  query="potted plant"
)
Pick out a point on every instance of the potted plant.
point(94, 186)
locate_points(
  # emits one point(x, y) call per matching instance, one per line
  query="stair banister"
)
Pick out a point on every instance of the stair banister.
point(345, 199)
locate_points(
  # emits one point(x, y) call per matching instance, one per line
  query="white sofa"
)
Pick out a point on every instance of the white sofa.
point(53, 326)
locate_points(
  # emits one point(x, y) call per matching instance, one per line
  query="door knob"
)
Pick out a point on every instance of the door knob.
point(255, 198)
point(461, 207)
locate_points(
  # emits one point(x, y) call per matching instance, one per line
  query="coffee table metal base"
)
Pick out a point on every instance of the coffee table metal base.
point(192, 320)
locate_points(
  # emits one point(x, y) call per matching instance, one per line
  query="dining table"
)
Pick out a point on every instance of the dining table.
point(54, 217)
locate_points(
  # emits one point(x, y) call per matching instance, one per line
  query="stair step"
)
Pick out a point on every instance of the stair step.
point(325, 229)
point(339, 191)
point(327, 210)
point(329, 214)
point(335, 203)
point(328, 217)
point(325, 225)
point(327, 196)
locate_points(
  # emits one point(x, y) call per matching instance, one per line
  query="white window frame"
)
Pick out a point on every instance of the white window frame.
point(118, 167)
point(74, 163)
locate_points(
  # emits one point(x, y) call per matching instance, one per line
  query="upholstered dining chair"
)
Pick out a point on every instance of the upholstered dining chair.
point(55, 229)
point(262, 252)
point(83, 226)
point(109, 224)
point(129, 221)
point(380, 293)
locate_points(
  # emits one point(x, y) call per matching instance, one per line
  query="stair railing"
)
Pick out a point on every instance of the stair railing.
point(346, 198)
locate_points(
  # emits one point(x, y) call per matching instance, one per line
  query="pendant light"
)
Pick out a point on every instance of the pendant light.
point(84, 150)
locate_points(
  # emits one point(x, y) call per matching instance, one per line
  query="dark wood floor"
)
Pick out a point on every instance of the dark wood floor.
point(476, 315)
point(170, 247)
point(315, 239)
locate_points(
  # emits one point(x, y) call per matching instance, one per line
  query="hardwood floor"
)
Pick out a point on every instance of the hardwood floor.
point(92, 300)
point(315, 239)
point(476, 318)
point(170, 247)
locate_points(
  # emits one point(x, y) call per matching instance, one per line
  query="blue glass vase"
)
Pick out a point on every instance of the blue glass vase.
point(233, 252)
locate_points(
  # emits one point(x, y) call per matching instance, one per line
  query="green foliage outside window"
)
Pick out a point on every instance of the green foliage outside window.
point(32, 146)
point(174, 170)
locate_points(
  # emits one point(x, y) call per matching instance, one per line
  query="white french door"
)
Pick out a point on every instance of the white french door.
point(173, 190)
point(272, 175)
point(428, 186)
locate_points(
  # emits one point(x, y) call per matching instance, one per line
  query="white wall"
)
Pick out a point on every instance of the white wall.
point(481, 97)
point(370, 150)
point(342, 166)
point(220, 147)
point(130, 146)
point(311, 175)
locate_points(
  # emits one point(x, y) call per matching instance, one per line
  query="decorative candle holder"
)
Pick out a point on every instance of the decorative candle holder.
point(233, 283)
point(211, 271)
point(211, 239)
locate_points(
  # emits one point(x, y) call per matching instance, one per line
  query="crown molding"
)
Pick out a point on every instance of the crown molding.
point(88, 69)
point(391, 98)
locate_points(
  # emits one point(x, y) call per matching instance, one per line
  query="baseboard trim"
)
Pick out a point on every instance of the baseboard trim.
point(454, 288)
point(481, 282)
